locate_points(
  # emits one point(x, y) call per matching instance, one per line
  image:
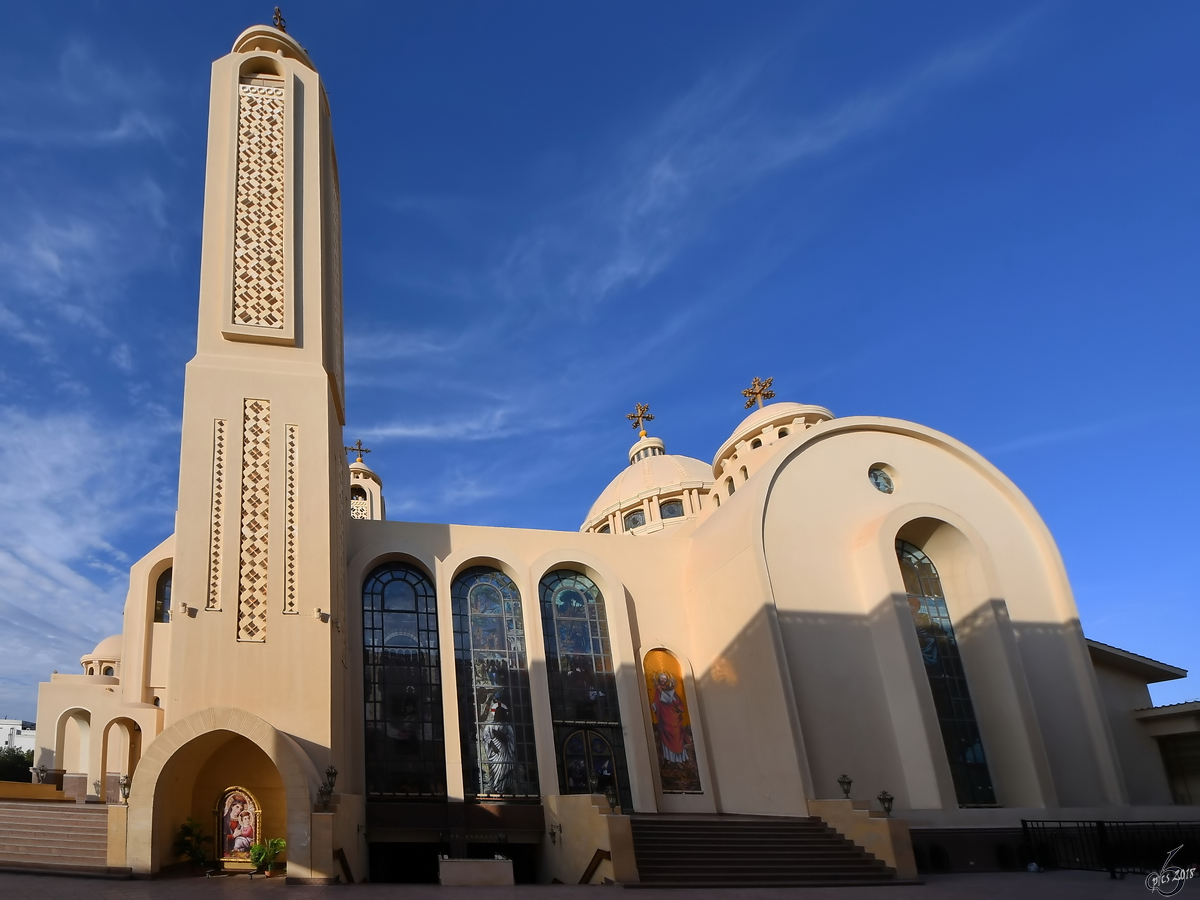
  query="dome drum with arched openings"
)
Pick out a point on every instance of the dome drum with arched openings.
point(656, 491)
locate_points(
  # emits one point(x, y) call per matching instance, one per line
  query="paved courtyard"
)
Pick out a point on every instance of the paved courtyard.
point(1043, 886)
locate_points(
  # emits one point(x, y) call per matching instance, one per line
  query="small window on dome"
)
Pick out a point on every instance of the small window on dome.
point(635, 519)
point(671, 509)
point(745, 474)
point(604, 529)
point(91, 670)
point(717, 500)
point(108, 670)
point(755, 444)
point(157, 702)
point(783, 432)
point(729, 486)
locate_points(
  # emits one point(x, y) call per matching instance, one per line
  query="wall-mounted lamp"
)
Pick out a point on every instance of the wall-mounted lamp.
point(126, 783)
point(555, 830)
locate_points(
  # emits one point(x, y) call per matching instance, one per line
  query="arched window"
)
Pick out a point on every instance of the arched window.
point(604, 529)
point(783, 432)
point(745, 474)
point(91, 670)
point(729, 486)
point(671, 509)
point(108, 670)
point(583, 687)
point(947, 680)
point(635, 519)
point(755, 444)
point(717, 500)
point(162, 597)
point(494, 711)
point(402, 690)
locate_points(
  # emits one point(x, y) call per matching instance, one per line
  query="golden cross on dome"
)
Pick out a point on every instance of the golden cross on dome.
point(639, 417)
point(758, 392)
point(359, 449)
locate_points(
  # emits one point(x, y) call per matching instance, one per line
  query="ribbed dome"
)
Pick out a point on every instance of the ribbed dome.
point(656, 474)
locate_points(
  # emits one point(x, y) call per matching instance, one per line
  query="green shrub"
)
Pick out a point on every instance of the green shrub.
point(14, 764)
point(263, 855)
point(191, 840)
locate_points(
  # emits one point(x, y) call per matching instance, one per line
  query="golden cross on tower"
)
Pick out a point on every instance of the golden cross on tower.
point(359, 449)
point(639, 417)
point(279, 21)
point(758, 392)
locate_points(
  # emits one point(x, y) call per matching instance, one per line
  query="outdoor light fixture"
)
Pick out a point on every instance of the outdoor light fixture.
point(844, 782)
point(41, 770)
point(325, 791)
point(885, 800)
point(611, 793)
point(126, 783)
point(96, 785)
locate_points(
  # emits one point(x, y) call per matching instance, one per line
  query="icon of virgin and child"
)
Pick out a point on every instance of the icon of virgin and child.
point(239, 824)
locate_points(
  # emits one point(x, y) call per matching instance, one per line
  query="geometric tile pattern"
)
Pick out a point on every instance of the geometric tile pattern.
point(360, 508)
point(258, 211)
point(290, 503)
point(213, 600)
point(252, 579)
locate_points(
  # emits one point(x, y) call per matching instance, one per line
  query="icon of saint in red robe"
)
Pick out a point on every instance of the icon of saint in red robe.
point(669, 713)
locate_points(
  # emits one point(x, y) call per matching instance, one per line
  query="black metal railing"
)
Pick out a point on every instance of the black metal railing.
point(1114, 847)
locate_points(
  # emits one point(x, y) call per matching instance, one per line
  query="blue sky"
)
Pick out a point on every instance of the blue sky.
point(981, 217)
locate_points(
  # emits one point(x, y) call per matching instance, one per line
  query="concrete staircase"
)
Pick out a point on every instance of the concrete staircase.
point(748, 851)
point(55, 836)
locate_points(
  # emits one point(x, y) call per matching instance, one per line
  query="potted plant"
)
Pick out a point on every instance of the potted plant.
point(263, 855)
point(190, 842)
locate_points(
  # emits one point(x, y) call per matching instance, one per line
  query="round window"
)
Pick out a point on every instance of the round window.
point(881, 478)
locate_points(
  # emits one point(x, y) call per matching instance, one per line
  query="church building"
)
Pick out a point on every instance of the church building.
point(850, 632)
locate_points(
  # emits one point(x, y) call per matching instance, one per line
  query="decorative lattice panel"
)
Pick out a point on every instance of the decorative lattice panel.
point(252, 581)
point(289, 525)
point(258, 212)
point(359, 508)
point(216, 524)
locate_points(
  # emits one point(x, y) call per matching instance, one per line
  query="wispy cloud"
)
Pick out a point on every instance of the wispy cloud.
point(67, 493)
point(707, 149)
point(1101, 428)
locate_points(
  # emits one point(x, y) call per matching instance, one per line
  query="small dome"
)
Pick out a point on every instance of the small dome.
point(767, 424)
point(109, 648)
point(362, 470)
point(652, 472)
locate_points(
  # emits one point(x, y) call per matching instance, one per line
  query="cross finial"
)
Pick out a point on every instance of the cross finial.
point(639, 417)
point(279, 21)
point(359, 449)
point(758, 392)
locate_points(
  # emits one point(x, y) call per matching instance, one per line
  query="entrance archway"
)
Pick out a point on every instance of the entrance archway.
point(191, 764)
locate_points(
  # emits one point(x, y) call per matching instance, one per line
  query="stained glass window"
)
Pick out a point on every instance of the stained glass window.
point(635, 519)
point(402, 689)
point(583, 687)
point(494, 711)
point(162, 597)
point(947, 680)
point(671, 509)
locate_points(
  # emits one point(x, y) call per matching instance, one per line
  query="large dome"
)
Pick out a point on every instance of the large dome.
point(648, 486)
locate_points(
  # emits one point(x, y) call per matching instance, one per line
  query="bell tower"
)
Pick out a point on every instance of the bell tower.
point(263, 484)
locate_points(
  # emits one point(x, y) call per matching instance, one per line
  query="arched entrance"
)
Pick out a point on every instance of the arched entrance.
point(121, 748)
point(188, 768)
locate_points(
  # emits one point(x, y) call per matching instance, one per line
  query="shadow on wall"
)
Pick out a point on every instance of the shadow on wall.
point(865, 707)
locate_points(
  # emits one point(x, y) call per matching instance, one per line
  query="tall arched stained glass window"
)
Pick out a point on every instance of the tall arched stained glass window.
point(162, 597)
point(947, 680)
point(494, 712)
point(583, 687)
point(405, 736)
